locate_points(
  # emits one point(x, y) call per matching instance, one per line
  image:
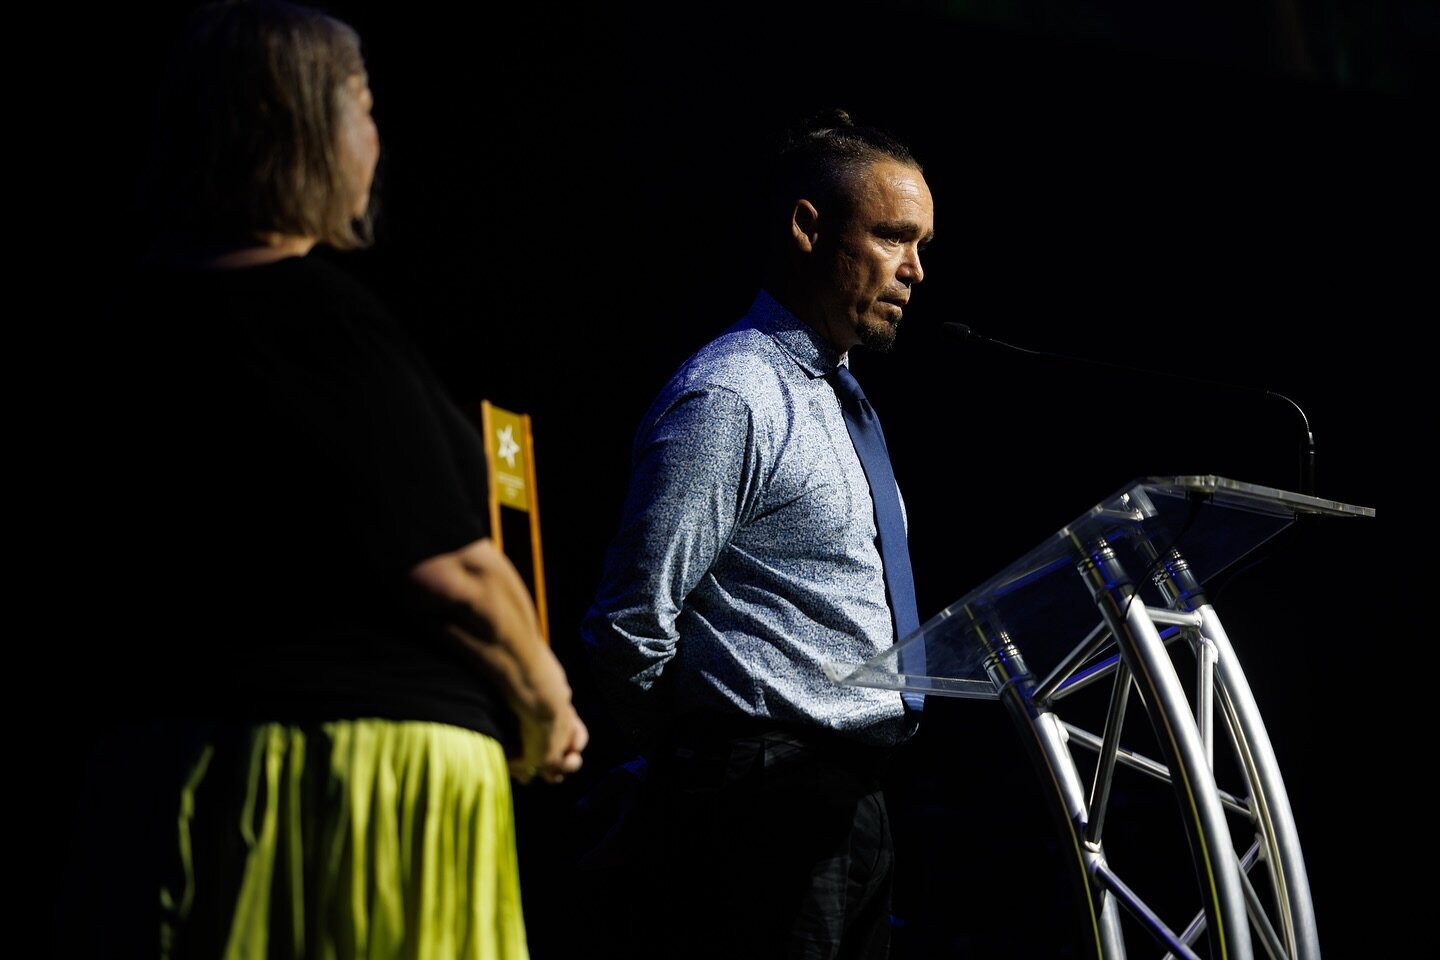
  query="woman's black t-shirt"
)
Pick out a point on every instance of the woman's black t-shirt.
point(283, 456)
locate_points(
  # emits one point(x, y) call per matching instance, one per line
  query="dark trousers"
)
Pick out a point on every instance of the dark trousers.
point(770, 845)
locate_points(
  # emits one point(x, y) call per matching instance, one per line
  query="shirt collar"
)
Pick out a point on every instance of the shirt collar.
point(810, 351)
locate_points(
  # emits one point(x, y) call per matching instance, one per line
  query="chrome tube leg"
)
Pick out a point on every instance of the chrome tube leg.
point(1216, 864)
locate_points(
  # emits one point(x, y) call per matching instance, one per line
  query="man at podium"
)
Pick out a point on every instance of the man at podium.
point(763, 536)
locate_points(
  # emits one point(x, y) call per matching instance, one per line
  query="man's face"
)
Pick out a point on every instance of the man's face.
point(870, 260)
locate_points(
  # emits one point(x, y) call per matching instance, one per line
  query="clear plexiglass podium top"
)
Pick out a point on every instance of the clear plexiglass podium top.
point(1040, 603)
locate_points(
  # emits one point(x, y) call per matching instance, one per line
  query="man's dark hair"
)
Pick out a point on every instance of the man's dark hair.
point(816, 156)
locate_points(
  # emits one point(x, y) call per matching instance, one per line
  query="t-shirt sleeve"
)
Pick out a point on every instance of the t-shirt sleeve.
point(402, 467)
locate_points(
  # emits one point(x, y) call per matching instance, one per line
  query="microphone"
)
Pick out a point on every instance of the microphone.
point(962, 333)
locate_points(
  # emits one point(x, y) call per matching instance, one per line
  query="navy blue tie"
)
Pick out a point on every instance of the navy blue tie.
point(869, 442)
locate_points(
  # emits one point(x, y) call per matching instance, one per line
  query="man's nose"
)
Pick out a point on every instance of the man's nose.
point(910, 269)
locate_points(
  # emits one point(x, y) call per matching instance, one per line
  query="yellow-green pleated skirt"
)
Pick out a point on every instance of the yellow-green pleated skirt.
point(355, 839)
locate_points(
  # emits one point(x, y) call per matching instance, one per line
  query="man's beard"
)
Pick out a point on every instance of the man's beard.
point(878, 337)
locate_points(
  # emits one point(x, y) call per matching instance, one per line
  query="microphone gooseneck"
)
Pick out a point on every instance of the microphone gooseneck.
point(963, 333)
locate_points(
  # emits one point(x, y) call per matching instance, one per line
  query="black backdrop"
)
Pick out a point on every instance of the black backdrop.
point(1184, 192)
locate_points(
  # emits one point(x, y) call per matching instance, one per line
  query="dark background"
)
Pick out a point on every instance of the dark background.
point(1240, 198)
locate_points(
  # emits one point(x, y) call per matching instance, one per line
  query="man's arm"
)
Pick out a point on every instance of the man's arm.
point(692, 478)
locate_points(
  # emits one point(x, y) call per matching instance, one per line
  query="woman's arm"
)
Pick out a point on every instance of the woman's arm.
point(491, 614)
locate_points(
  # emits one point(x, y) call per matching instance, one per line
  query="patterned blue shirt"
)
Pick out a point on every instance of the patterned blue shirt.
point(746, 555)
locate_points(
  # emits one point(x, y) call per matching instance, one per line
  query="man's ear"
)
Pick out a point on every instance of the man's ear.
point(804, 225)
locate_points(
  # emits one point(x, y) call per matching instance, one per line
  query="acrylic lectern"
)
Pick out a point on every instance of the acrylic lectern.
point(1101, 618)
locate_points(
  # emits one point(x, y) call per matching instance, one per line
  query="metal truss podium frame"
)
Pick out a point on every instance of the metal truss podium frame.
point(1105, 613)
